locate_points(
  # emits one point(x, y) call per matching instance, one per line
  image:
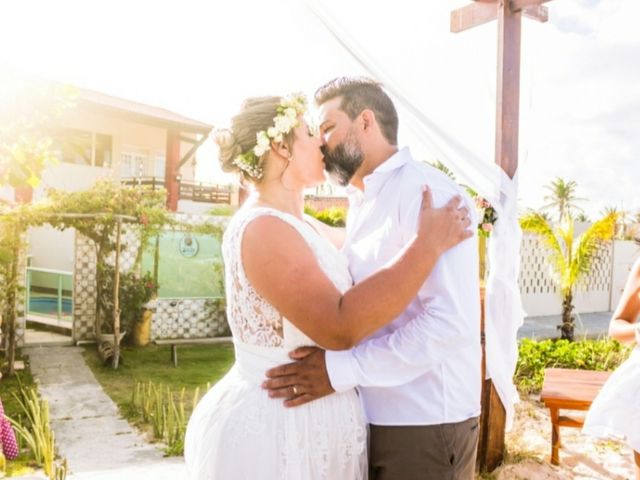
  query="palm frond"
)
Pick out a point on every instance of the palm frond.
point(534, 222)
point(566, 277)
point(587, 245)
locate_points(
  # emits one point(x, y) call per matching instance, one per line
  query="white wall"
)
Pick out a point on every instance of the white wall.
point(48, 247)
point(69, 177)
point(624, 255)
point(51, 248)
point(194, 208)
point(599, 293)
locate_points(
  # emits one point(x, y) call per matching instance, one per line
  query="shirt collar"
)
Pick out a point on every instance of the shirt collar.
point(376, 179)
point(354, 195)
point(392, 163)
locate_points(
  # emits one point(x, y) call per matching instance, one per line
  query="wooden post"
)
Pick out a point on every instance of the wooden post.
point(172, 169)
point(508, 89)
point(555, 436)
point(509, 15)
point(491, 452)
point(493, 415)
point(11, 310)
point(116, 300)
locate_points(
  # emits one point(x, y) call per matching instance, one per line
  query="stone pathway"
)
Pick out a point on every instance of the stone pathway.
point(97, 442)
point(590, 325)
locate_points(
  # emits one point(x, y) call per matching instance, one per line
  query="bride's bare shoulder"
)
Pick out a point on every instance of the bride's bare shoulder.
point(269, 238)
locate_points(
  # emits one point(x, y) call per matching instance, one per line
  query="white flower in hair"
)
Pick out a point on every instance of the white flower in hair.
point(290, 108)
point(291, 113)
point(263, 143)
point(284, 124)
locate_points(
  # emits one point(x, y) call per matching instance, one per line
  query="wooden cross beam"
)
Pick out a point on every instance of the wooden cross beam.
point(509, 15)
point(483, 11)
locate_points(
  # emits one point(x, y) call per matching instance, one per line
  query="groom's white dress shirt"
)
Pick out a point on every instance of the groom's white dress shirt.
point(424, 367)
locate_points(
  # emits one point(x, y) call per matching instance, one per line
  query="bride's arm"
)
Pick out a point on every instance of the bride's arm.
point(283, 269)
point(623, 326)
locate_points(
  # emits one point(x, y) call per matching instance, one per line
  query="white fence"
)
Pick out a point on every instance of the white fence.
point(599, 293)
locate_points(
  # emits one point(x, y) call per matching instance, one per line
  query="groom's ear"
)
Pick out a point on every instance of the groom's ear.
point(368, 119)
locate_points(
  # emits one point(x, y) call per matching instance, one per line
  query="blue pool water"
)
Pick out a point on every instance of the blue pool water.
point(49, 305)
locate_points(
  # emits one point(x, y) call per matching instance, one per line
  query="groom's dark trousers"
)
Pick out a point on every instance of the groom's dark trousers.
point(432, 452)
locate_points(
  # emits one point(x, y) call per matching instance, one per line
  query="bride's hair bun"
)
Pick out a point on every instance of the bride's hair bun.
point(229, 149)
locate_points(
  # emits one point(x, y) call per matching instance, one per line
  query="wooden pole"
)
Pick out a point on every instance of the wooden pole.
point(493, 419)
point(493, 425)
point(509, 16)
point(12, 313)
point(116, 302)
point(508, 88)
point(172, 169)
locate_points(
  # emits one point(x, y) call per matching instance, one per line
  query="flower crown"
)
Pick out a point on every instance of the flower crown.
point(290, 108)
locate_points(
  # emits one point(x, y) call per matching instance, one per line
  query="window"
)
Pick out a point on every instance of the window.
point(133, 164)
point(81, 147)
point(102, 156)
point(159, 165)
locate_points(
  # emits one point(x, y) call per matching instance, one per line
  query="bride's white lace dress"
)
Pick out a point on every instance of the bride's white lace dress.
point(236, 431)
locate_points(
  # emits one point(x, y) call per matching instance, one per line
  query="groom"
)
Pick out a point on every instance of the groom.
point(419, 377)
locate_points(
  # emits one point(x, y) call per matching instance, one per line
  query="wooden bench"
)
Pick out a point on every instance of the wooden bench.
point(189, 341)
point(568, 389)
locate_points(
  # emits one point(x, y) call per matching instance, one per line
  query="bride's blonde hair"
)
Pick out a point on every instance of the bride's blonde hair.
point(256, 115)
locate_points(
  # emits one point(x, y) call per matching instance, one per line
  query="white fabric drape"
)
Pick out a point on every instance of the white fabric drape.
point(504, 314)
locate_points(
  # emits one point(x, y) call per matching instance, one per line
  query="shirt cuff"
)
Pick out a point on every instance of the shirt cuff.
point(340, 368)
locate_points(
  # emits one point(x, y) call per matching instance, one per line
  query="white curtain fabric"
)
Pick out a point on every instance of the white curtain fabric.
point(504, 313)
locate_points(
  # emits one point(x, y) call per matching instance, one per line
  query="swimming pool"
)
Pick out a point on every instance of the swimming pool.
point(49, 306)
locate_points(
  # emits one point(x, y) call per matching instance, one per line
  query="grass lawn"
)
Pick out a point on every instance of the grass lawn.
point(197, 366)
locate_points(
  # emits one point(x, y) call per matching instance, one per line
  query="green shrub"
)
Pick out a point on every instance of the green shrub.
point(534, 356)
point(222, 210)
point(333, 216)
point(135, 291)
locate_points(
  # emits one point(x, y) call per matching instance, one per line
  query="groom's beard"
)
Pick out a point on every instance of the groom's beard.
point(343, 161)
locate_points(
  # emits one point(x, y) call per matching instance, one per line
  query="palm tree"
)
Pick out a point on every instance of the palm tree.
point(562, 197)
point(570, 258)
point(583, 218)
point(443, 168)
point(623, 220)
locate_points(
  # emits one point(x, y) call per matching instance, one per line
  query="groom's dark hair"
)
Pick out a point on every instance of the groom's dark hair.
point(358, 94)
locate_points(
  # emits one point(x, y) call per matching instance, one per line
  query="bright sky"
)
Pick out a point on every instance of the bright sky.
point(580, 106)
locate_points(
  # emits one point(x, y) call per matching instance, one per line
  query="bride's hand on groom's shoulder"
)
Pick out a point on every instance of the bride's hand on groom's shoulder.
point(302, 381)
point(443, 227)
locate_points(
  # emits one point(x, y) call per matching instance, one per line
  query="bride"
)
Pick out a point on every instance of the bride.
point(288, 285)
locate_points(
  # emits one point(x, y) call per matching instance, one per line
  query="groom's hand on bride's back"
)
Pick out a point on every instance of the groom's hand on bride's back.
point(302, 381)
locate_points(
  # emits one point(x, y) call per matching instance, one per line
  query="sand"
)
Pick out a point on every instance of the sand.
point(581, 456)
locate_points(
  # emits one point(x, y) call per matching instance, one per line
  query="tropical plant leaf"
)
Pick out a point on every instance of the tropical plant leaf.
point(536, 223)
point(588, 244)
